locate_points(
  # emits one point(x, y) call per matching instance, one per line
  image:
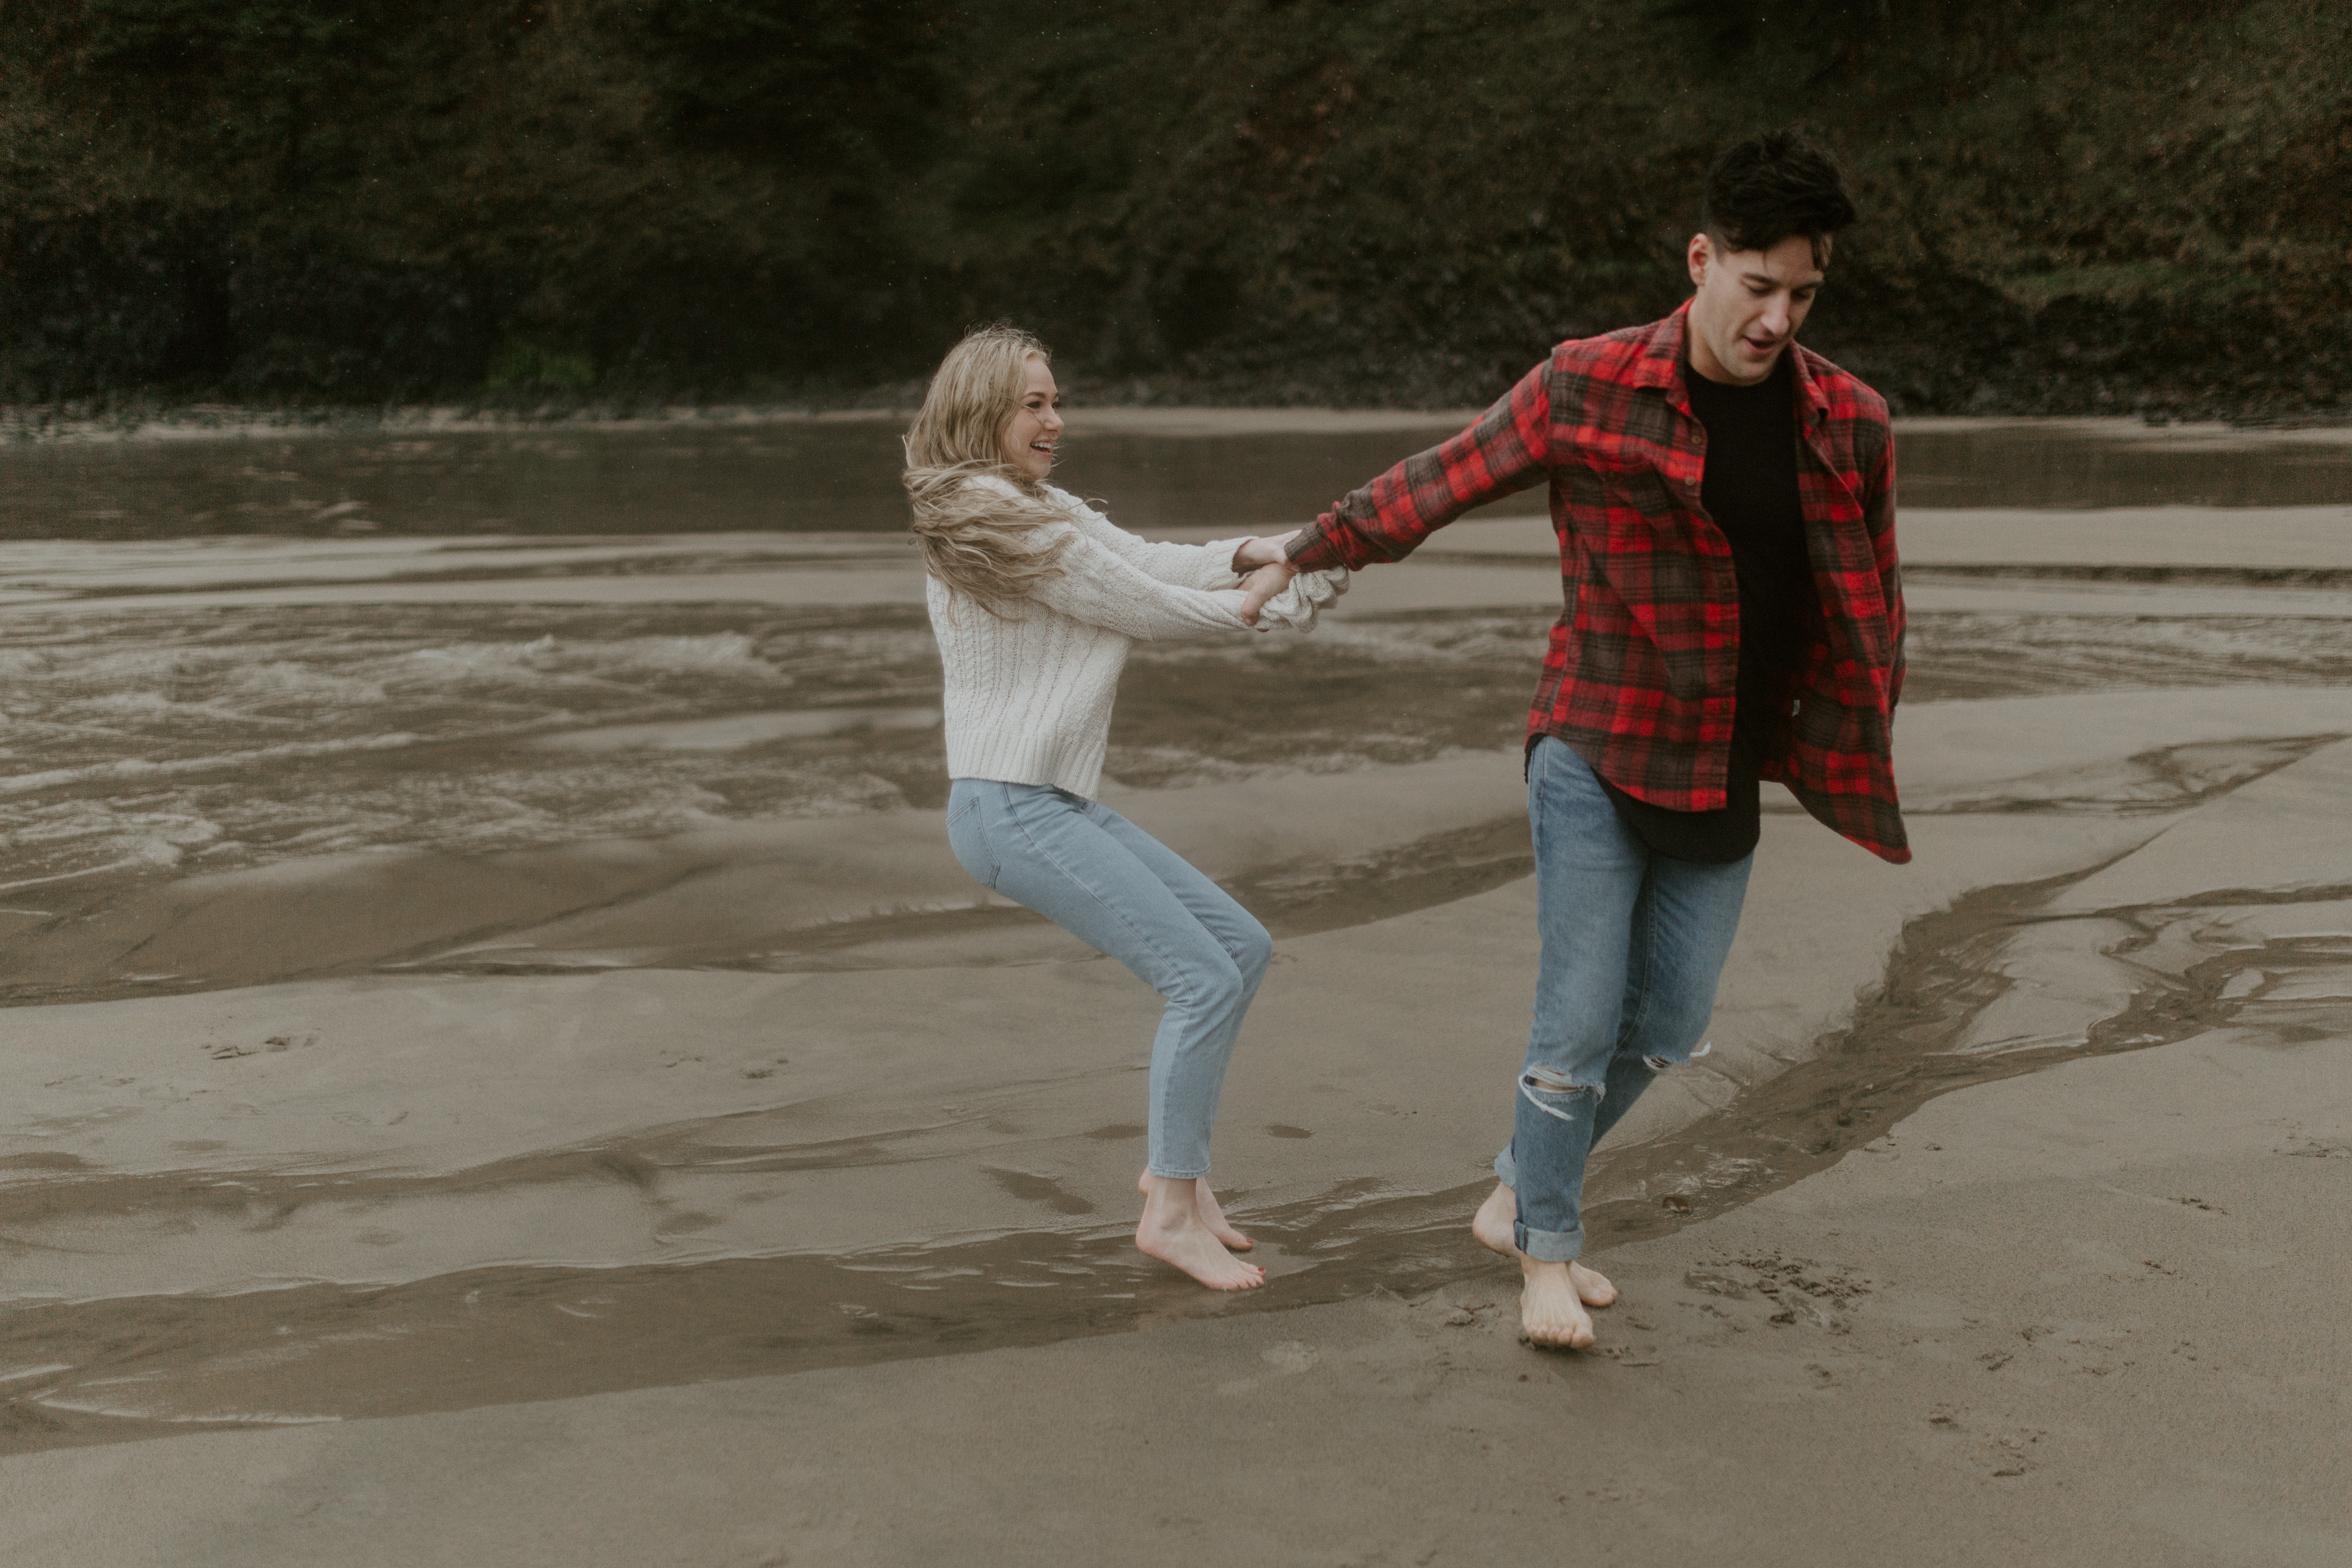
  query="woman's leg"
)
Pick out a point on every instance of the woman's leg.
point(1190, 1056)
point(1049, 851)
point(1184, 1098)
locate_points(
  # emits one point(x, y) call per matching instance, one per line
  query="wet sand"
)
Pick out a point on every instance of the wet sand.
point(2053, 1320)
point(758, 1193)
point(2081, 1312)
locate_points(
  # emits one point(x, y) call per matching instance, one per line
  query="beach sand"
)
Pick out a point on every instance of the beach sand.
point(2087, 1316)
point(760, 1196)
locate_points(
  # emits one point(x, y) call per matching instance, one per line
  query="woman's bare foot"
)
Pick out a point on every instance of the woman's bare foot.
point(1214, 1218)
point(1493, 1227)
point(1549, 1313)
point(1175, 1232)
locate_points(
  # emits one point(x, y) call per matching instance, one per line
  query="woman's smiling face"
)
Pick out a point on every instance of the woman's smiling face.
point(1035, 427)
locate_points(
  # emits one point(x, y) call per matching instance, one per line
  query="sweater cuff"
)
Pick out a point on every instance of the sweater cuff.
point(1221, 550)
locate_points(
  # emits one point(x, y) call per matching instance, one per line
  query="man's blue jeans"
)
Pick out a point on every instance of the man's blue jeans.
point(1122, 892)
point(1632, 945)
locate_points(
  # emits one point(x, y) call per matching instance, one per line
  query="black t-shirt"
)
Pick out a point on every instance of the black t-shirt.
point(1749, 488)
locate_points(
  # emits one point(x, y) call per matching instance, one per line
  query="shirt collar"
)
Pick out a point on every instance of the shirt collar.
point(1660, 366)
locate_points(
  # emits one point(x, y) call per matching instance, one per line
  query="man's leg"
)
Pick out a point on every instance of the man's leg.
point(1683, 926)
point(1590, 873)
point(1680, 933)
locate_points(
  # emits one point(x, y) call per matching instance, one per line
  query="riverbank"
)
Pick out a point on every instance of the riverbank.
point(1130, 407)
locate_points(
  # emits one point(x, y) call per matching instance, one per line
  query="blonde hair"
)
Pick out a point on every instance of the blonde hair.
point(977, 539)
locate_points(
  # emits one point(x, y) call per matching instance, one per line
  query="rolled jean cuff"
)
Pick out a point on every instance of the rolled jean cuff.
point(1549, 1245)
point(1175, 1175)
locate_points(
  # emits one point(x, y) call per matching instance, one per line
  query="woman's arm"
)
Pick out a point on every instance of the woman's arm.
point(1203, 566)
point(1100, 586)
point(1304, 596)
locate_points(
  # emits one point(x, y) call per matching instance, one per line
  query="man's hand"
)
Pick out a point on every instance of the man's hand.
point(1263, 584)
point(1259, 553)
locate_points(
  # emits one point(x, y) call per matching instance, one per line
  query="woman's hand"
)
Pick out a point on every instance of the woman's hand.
point(1266, 552)
point(1263, 584)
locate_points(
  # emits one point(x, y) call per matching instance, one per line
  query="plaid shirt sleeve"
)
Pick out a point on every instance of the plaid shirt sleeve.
point(1878, 518)
point(1506, 451)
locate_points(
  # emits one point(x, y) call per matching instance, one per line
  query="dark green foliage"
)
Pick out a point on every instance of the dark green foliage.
point(266, 88)
point(2065, 204)
point(857, 87)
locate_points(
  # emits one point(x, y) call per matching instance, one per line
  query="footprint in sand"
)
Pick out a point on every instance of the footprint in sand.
point(1036, 1189)
point(1290, 1357)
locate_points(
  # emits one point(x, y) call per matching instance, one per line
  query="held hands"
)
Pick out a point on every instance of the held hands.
point(1273, 593)
point(1262, 584)
point(1266, 552)
point(1265, 570)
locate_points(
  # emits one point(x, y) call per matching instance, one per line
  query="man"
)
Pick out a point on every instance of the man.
point(1724, 502)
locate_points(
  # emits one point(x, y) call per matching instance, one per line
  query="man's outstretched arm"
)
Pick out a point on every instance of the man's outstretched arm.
point(1508, 451)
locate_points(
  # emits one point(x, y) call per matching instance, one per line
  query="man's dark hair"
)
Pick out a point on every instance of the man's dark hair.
point(1771, 186)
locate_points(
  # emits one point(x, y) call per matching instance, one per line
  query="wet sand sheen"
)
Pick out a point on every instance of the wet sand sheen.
point(430, 1197)
point(140, 1367)
point(329, 1350)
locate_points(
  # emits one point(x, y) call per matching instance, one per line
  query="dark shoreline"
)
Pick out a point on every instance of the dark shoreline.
point(137, 415)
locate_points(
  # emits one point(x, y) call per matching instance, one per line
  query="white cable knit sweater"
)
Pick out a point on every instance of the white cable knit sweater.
point(1029, 699)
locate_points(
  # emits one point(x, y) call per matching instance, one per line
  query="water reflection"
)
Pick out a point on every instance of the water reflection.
point(805, 475)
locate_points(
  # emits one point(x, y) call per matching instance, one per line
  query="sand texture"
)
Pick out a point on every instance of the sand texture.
point(583, 1115)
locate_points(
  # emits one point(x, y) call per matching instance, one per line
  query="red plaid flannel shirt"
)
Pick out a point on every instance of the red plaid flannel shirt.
point(1640, 672)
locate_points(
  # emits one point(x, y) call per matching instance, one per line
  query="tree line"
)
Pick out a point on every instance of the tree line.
point(2068, 204)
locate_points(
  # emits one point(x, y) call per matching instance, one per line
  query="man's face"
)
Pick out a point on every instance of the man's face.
point(1748, 306)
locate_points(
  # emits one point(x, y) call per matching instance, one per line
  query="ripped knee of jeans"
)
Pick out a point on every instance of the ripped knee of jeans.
point(1551, 1091)
point(1660, 1064)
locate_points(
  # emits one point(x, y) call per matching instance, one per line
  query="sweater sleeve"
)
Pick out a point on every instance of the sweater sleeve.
point(1203, 566)
point(1100, 586)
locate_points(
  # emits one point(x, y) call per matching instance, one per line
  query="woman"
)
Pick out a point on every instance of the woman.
point(1035, 598)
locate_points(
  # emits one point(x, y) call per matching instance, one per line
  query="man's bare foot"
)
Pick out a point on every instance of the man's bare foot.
point(1593, 1287)
point(1175, 1232)
point(1493, 1227)
point(1549, 1313)
point(1493, 1223)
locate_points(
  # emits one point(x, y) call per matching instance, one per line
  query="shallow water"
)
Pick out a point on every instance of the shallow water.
point(155, 725)
point(841, 474)
point(203, 793)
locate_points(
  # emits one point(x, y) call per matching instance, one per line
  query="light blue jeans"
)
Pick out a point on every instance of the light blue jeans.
point(1632, 944)
point(1130, 897)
